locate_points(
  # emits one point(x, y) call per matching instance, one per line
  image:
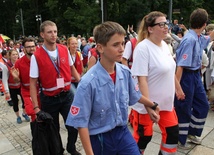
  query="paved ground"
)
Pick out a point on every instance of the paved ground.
point(15, 139)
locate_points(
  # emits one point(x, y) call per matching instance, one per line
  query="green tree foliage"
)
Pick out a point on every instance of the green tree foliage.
point(186, 7)
point(80, 16)
point(208, 4)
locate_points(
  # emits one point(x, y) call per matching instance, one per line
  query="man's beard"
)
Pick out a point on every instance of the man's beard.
point(30, 54)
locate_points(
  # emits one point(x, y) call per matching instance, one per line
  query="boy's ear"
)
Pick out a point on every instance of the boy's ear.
point(99, 48)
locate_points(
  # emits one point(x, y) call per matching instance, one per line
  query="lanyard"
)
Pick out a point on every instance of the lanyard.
point(57, 58)
point(9, 63)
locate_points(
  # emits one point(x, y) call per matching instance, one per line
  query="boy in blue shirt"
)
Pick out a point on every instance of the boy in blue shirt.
point(100, 107)
point(192, 111)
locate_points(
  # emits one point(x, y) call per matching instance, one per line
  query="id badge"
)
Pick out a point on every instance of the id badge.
point(60, 82)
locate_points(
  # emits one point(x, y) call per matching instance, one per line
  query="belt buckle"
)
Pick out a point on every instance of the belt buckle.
point(59, 94)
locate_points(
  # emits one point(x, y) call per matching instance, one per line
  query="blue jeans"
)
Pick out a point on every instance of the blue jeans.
point(55, 105)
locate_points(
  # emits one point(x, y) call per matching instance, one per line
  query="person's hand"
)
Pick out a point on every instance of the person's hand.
point(43, 116)
point(7, 95)
point(128, 29)
point(180, 94)
point(183, 27)
point(154, 114)
point(202, 66)
point(131, 29)
point(14, 72)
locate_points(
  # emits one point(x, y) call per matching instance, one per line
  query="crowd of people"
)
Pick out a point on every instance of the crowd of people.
point(162, 72)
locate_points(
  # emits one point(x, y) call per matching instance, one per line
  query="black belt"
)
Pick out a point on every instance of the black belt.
point(193, 71)
point(62, 93)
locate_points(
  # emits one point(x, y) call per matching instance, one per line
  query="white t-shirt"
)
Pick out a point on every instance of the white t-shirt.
point(21, 54)
point(34, 71)
point(128, 50)
point(205, 62)
point(158, 65)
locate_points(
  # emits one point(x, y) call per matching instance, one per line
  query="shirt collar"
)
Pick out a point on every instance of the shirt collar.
point(104, 76)
point(194, 33)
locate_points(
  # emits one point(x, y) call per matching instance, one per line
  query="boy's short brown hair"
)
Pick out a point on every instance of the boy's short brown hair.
point(198, 18)
point(103, 32)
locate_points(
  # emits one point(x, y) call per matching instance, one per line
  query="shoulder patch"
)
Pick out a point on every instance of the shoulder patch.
point(74, 110)
point(207, 37)
point(137, 87)
point(184, 56)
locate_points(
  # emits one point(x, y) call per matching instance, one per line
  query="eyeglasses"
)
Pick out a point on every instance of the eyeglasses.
point(161, 24)
point(30, 46)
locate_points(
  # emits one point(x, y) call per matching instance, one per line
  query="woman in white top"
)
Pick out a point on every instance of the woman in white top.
point(154, 70)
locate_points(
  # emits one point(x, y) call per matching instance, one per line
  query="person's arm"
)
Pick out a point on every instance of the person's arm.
point(33, 94)
point(127, 53)
point(205, 63)
point(178, 90)
point(5, 80)
point(82, 67)
point(85, 139)
point(133, 33)
point(143, 86)
point(175, 37)
point(179, 72)
point(74, 73)
point(92, 61)
point(128, 32)
point(5, 76)
point(34, 75)
point(182, 26)
point(212, 76)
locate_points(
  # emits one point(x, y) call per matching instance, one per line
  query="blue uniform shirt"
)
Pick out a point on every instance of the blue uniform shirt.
point(99, 104)
point(189, 52)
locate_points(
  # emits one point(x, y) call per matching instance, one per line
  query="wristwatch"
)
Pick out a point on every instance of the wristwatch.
point(154, 106)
